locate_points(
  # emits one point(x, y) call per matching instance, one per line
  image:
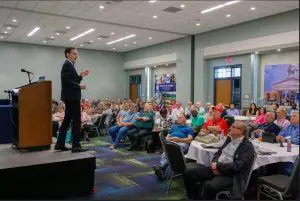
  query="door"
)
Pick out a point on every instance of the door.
point(223, 91)
point(134, 90)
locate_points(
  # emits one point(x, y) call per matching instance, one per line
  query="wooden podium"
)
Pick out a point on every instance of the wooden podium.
point(33, 116)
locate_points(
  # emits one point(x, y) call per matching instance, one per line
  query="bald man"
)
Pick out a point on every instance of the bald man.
point(269, 126)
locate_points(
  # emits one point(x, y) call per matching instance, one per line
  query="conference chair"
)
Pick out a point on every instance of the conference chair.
point(102, 128)
point(279, 186)
point(227, 192)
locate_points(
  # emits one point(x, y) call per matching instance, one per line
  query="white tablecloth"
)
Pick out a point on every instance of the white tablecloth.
point(204, 156)
point(244, 118)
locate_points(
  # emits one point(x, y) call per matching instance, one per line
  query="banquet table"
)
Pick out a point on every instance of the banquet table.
point(244, 118)
point(204, 156)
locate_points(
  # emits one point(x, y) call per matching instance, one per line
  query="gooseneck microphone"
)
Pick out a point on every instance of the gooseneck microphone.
point(25, 71)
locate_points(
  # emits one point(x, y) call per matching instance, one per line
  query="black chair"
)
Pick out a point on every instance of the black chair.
point(176, 160)
point(269, 137)
point(101, 125)
point(228, 192)
point(279, 186)
point(229, 120)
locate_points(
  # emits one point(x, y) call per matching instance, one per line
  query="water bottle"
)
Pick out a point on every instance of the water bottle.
point(260, 136)
point(222, 135)
point(289, 146)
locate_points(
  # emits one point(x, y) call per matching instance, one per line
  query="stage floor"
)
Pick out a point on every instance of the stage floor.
point(45, 174)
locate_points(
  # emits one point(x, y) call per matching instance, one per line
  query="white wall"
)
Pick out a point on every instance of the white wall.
point(276, 58)
point(107, 76)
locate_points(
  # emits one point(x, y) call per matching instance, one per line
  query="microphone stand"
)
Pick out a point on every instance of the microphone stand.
point(28, 74)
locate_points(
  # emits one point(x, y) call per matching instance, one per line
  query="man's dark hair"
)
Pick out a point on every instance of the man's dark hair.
point(68, 50)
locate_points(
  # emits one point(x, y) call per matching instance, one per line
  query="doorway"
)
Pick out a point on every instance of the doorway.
point(228, 87)
point(135, 87)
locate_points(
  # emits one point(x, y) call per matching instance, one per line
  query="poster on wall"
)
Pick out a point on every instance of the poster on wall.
point(281, 84)
point(165, 87)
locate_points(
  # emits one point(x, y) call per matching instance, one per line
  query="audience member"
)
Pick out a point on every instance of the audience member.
point(269, 126)
point(260, 116)
point(176, 112)
point(281, 120)
point(230, 168)
point(197, 120)
point(252, 110)
point(216, 124)
point(200, 109)
point(187, 110)
point(233, 111)
point(208, 106)
point(142, 127)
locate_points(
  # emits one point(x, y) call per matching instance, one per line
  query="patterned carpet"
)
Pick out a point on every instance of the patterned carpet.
point(121, 174)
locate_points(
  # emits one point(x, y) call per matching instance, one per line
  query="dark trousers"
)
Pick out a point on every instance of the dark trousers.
point(201, 178)
point(72, 114)
point(55, 127)
point(136, 134)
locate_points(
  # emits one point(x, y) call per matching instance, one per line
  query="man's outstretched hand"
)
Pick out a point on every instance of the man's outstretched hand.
point(84, 73)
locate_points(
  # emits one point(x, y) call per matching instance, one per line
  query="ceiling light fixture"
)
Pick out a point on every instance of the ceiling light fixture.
point(9, 28)
point(150, 38)
point(81, 45)
point(101, 7)
point(82, 34)
point(278, 50)
point(14, 20)
point(114, 48)
point(152, 1)
point(121, 39)
point(1, 37)
point(33, 31)
point(44, 41)
point(154, 16)
point(67, 27)
point(52, 37)
point(228, 15)
point(198, 24)
point(57, 33)
point(252, 8)
point(125, 45)
point(256, 52)
point(134, 42)
point(91, 41)
point(5, 32)
point(182, 5)
point(112, 33)
point(99, 38)
point(219, 6)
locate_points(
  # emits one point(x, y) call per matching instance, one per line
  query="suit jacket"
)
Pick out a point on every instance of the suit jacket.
point(270, 128)
point(240, 167)
point(70, 80)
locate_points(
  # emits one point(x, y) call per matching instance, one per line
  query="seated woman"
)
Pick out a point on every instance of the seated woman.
point(260, 116)
point(57, 119)
point(252, 110)
point(142, 127)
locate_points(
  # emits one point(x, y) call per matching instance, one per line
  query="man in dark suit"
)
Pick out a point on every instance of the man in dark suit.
point(71, 95)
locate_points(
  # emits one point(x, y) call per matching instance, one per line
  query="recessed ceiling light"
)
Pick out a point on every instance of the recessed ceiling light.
point(256, 52)
point(5, 32)
point(57, 33)
point(1, 37)
point(9, 28)
point(150, 38)
point(82, 34)
point(33, 31)
point(44, 41)
point(228, 15)
point(112, 33)
point(167, 64)
point(154, 16)
point(91, 41)
point(81, 45)
point(67, 27)
point(52, 37)
point(101, 7)
point(125, 45)
point(114, 48)
point(99, 38)
point(152, 1)
point(182, 5)
point(134, 42)
point(252, 8)
point(219, 6)
point(278, 50)
point(120, 39)
point(14, 20)
point(198, 24)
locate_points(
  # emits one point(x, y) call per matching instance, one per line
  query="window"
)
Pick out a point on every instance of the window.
point(222, 72)
point(236, 72)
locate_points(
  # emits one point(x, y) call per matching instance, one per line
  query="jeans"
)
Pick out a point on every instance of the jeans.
point(136, 134)
point(117, 133)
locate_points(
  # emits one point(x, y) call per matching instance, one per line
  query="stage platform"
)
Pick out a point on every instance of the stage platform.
point(45, 174)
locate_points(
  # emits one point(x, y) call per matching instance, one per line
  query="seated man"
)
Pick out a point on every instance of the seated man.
point(232, 111)
point(229, 168)
point(181, 134)
point(269, 126)
point(216, 124)
point(292, 133)
point(142, 127)
point(176, 112)
point(197, 120)
point(118, 132)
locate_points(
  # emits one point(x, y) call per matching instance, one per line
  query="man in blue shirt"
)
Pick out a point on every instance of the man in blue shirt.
point(233, 111)
point(181, 134)
point(118, 132)
point(292, 133)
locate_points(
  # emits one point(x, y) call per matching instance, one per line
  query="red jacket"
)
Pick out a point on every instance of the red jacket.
point(220, 122)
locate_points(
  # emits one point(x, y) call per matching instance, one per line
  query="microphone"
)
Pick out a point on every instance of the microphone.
point(23, 70)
